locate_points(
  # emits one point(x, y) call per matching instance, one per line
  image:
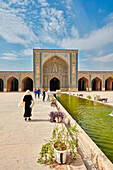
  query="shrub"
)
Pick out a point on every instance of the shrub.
point(89, 97)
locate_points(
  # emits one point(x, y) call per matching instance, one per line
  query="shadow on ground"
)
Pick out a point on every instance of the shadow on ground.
point(39, 120)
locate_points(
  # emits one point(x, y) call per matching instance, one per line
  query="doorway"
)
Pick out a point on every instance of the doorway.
point(54, 84)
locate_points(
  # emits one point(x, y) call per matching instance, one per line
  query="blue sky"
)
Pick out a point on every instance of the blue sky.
point(63, 24)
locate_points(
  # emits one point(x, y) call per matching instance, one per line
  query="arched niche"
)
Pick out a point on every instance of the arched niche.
point(27, 84)
point(12, 84)
point(1, 85)
point(96, 84)
point(82, 84)
point(55, 67)
point(109, 84)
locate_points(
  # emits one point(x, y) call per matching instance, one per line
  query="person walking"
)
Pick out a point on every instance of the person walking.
point(38, 91)
point(44, 94)
point(48, 93)
point(29, 103)
point(35, 92)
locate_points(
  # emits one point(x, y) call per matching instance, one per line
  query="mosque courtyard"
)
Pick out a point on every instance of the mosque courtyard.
point(20, 140)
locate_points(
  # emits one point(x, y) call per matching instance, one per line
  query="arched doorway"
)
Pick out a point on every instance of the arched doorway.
point(1, 84)
point(12, 84)
point(82, 84)
point(27, 84)
point(55, 67)
point(54, 84)
point(109, 84)
point(96, 84)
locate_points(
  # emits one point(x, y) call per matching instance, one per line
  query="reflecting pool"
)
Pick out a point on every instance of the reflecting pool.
point(96, 120)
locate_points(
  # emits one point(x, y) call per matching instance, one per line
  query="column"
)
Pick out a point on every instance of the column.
point(103, 87)
point(70, 71)
point(34, 70)
point(90, 89)
point(40, 70)
point(19, 83)
point(76, 71)
point(5, 84)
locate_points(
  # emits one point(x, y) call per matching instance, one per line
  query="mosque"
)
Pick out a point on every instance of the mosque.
point(56, 69)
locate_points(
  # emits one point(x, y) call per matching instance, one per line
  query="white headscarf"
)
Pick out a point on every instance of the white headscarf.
point(26, 93)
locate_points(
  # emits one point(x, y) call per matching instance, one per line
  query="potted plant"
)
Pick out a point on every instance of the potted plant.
point(104, 100)
point(56, 116)
point(80, 95)
point(52, 116)
point(58, 146)
point(59, 116)
point(53, 102)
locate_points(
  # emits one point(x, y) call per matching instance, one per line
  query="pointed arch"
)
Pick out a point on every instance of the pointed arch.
point(12, 84)
point(54, 84)
point(55, 66)
point(109, 83)
point(27, 84)
point(82, 84)
point(96, 84)
point(1, 85)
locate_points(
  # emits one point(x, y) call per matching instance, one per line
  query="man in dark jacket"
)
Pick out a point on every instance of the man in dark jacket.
point(44, 94)
point(38, 91)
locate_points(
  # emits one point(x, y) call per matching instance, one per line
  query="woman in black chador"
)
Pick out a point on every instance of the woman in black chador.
point(29, 103)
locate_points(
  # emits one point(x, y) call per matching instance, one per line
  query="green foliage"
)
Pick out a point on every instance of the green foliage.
point(99, 99)
point(77, 94)
point(53, 100)
point(89, 97)
point(61, 140)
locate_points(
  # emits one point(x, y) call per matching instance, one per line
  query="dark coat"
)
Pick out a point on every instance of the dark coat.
point(28, 100)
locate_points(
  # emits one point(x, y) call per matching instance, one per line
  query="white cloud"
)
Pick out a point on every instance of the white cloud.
point(19, 2)
point(9, 56)
point(100, 10)
point(107, 58)
point(109, 18)
point(27, 52)
point(74, 32)
point(95, 39)
point(53, 21)
point(14, 30)
point(43, 3)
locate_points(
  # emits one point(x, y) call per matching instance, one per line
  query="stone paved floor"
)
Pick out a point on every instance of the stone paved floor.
point(21, 141)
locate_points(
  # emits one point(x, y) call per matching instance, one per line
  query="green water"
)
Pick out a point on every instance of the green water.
point(94, 118)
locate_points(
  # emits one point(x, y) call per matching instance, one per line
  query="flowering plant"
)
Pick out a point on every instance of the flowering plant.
point(81, 95)
point(53, 115)
point(53, 103)
point(103, 99)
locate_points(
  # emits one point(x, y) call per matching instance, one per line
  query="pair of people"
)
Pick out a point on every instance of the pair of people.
point(44, 94)
point(37, 91)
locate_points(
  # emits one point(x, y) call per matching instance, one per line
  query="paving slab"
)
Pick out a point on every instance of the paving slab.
point(20, 140)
